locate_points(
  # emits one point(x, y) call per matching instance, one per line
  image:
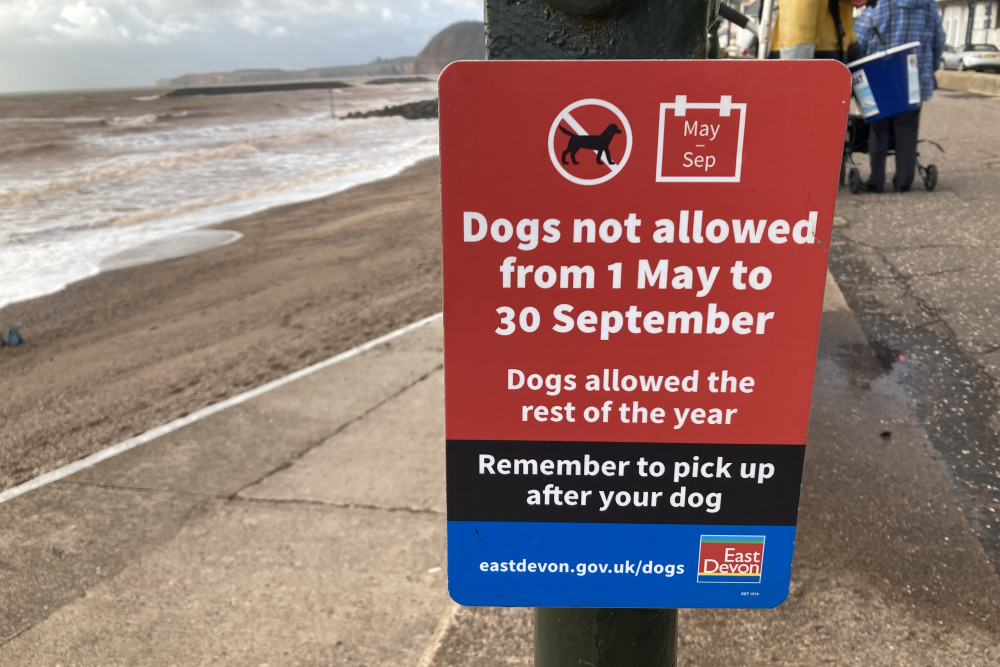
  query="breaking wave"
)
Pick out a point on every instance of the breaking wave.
point(30, 150)
point(130, 121)
point(134, 168)
point(141, 216)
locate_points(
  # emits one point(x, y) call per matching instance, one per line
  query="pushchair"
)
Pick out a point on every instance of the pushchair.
point(856, 141)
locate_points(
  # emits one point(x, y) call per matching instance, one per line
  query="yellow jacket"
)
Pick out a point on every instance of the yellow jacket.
point(810, 22)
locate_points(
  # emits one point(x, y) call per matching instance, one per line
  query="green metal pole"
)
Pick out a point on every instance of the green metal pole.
point(598, 29)
point(605, 637)
point(607, 30)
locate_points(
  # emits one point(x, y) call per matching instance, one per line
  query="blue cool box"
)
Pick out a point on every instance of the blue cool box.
point(887, 83)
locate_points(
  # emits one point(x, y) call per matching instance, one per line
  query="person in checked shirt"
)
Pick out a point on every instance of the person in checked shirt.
point(894, 23)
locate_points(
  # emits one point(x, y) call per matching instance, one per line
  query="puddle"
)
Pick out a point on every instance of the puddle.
point(866, 362)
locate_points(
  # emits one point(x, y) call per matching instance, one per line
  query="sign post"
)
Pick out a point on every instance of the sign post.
point(586, 30)
point(634, 263)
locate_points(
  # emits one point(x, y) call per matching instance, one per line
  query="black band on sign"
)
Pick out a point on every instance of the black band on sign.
point(616, 482)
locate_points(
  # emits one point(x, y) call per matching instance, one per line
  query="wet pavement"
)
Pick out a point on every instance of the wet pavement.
point(919, 270)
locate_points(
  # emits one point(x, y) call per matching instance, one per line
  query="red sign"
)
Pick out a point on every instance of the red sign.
point(699, 253)
point(635, 252)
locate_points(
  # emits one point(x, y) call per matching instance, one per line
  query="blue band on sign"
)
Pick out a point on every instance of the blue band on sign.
point(619, 565)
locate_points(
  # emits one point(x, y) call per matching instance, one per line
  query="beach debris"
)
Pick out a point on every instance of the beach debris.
point(13, 337)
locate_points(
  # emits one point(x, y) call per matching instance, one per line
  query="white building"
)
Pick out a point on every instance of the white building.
point(985, 21)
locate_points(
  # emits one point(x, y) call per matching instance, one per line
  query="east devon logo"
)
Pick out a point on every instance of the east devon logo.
point(730, 559)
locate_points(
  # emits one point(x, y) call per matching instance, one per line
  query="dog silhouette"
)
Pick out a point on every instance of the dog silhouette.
point(598, 142)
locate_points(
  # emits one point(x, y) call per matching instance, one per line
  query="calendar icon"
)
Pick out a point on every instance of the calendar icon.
point(700, 141)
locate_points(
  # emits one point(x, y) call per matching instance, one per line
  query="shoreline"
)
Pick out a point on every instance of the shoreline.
point(179, 244)
point(197, 236)
point(127, 349)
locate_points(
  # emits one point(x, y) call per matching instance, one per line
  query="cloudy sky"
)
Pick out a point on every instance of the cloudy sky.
point(77, 44)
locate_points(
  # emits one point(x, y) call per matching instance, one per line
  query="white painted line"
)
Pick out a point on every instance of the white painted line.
point(434, 645)
point(114, 450)
point(574, 124)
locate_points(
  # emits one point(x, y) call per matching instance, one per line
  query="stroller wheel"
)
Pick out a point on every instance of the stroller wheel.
point(854, 180)
point(930, 177)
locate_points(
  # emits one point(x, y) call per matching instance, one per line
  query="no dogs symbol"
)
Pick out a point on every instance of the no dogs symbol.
point(590, 141)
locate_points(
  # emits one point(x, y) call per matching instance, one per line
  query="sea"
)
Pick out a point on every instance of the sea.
point(94, 180)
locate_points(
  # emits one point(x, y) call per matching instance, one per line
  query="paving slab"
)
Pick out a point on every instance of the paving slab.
point(257, 583)
point(387, 460)
point(60, 541)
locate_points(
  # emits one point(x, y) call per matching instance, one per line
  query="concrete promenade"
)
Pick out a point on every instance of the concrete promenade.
point(971, 82)
point(306, 526)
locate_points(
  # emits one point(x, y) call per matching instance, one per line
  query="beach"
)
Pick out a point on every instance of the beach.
point(128, 349)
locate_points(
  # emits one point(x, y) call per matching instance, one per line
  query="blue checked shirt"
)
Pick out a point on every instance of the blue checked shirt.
point(896, 22)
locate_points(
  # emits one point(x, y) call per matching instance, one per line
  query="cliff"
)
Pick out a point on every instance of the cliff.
point(379, 67)
point(460, 41)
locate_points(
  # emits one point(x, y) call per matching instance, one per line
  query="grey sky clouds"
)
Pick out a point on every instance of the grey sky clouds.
point(78, 44)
